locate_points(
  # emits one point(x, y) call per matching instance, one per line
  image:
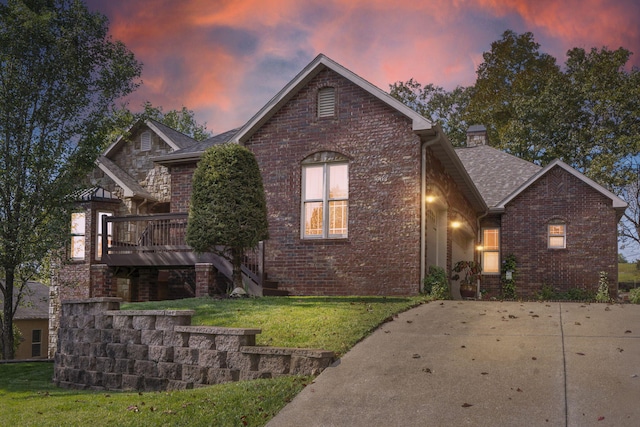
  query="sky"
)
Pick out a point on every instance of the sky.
point(225, 59)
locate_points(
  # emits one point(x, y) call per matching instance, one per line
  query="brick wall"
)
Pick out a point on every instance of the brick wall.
point(381, 256)
point(102, 348)
point(591, 235)
point(181, 177)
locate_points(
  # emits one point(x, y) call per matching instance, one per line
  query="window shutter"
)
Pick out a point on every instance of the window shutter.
point(326, 102)
point(145, 141)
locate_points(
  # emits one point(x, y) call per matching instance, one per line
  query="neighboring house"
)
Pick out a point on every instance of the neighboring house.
point(363, 195)
point(32, 320)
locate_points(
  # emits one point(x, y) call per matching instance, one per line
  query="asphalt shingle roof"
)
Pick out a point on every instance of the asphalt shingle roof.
point(35, 302)
point(125, 178)
point(178, 138)
point(495, 173)
point(199, 147)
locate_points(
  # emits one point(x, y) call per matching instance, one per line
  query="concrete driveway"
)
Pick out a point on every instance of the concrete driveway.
point(472, 363)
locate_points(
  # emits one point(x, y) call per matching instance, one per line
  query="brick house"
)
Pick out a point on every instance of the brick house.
point(363, 195)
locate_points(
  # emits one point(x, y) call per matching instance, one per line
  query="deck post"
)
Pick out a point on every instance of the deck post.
point(205, 279)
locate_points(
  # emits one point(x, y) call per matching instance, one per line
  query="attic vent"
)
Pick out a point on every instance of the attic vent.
point(327, 102)
point(145, 141)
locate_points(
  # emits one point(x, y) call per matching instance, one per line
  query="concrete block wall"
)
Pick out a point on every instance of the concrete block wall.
point(101, 347)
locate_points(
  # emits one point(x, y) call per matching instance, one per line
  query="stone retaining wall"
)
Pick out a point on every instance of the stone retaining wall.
point(101, 347)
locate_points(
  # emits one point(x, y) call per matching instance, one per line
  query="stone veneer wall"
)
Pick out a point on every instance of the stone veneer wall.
point(101, 347)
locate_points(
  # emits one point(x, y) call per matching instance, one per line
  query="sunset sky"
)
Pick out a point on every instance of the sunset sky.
point(225, 59)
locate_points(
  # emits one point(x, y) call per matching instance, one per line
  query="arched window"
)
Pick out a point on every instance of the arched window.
point(325, 196)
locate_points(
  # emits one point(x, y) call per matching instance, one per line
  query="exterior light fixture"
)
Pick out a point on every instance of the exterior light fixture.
point(430, 198)
point(455, 224)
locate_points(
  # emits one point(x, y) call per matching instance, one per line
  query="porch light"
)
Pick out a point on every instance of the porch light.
point(456, 224)
point(479, 248)
point(430, 198)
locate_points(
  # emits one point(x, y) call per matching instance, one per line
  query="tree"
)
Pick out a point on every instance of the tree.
point(228, 210)
point(434, 102)
point(587, 113)
point(629, 225)
point(182, 120)
point(60, 75)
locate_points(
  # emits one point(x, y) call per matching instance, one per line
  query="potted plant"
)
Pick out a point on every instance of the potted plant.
point(467, 272)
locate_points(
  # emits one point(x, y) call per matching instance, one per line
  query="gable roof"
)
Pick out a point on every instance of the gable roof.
point(129, 185)
point(195, 151)
point(320, 63)
point(35, 302)
point(495, 173)
point(176, 140)
point(617, 203)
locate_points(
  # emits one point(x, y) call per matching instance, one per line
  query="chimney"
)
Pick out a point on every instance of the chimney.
point(477, 135)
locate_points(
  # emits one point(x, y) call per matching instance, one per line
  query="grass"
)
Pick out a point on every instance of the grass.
point(329, 323)
point(629, 273)
point(28, 398)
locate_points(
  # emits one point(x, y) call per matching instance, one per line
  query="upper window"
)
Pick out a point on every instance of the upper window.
point(77, 235)
point(491, 250)
point(557, 236)
point(327, 102)
point(325, 197)
point(145, 141)
point(101, 233)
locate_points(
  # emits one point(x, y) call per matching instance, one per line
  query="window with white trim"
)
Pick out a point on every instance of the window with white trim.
point(557, 236)
point(491, 250)
point(325, 197)
point(78, 223)
point(327, 102)
point(101, 232)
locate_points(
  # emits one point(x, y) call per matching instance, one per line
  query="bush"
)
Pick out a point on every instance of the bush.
point(603, 288)
point(634, 296)
point(436, 284)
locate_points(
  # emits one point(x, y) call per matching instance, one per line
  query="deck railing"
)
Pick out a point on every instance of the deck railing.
point(161, 238)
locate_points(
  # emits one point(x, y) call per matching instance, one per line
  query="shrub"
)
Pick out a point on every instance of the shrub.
point(603, 288)
point(634, 296)
point(436, 284)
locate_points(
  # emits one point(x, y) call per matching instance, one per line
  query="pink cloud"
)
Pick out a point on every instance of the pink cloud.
point(225, 59)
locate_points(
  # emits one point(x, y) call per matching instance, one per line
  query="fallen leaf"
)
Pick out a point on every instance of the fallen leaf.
point(427, 370)
point(416, 356)
point(133, 408)
point(607, 309)
point(627, 331)
point(409, 321)
point(511, 316)
point(519, 390)
point(578, 323)
point(620, 349)
point(484, 373)
point(534, 315)
point(463, 346)
point(600, 418)
point(534, 358)
point(580, 354)
point(466, 405)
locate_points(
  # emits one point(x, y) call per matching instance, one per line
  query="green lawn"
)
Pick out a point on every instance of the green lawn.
point(628, 273)
point(27, 397)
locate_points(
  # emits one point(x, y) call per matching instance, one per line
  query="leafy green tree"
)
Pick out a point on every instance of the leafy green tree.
point(183, 120)
point(433, 102)
point(228, 210)
point(60, 75)
point(586, 113)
